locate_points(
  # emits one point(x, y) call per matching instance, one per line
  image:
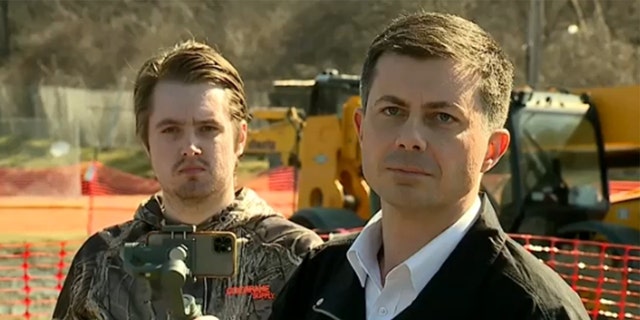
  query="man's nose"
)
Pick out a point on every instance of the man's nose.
point(191, 149)
point(411, 137)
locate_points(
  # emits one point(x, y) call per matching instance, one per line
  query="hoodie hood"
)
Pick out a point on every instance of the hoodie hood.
point(237, 213)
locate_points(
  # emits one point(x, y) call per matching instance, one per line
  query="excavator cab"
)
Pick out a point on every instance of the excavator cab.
point(278, 130)
point(331, 91)
point(553, 174)
point(291, 93)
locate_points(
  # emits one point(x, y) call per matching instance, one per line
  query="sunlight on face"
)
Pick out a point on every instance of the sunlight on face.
point(192, 142)
point(422, 136)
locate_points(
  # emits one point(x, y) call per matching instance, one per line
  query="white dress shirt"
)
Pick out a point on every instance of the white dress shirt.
point(405, 281)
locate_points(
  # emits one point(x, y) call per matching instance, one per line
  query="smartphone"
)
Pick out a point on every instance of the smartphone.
point(207, 254)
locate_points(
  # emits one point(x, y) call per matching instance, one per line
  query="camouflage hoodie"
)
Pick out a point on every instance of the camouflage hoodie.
point(97, 286)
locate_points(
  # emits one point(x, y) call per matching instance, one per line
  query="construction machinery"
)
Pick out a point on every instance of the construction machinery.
point(292, 92)
point(613, 115)
point(276, 135)
point(318, 138)
point(619, 115)
point(276, 131)
point(553, 180)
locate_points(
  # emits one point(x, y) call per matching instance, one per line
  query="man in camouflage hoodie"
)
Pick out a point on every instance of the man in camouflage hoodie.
point(191, 115)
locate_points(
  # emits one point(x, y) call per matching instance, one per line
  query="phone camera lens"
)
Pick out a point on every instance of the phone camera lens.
point(222, 244)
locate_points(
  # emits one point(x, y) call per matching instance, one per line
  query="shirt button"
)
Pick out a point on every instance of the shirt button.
point(382, 311)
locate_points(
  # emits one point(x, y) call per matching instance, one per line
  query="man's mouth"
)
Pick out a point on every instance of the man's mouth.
point(408, 170)
point(191, 170)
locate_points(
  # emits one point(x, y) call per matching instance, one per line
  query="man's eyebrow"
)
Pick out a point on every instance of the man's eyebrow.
point(173, 122)
point(168, 122)
point(427, 105)
point(392, 99)
point(439, 105)
point(207, 121)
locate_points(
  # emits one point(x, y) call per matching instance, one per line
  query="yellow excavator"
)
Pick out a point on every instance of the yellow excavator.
point(619, 115)
point(555, 178)
point(553, 181)
point(275, 134)
point(276, 131)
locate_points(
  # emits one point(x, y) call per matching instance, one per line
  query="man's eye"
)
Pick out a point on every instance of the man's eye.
point(170, 130)
point(444, 117)
point(391, 111)
point(207, 128)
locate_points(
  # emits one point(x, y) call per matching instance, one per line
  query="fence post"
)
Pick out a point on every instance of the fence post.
point(26, 278)
point(89, 178)
point(61, 274)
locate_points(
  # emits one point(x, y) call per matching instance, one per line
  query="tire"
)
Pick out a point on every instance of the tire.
point(274, 160)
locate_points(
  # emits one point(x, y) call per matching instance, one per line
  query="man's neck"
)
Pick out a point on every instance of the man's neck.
point(197, 211)
point(405, 231)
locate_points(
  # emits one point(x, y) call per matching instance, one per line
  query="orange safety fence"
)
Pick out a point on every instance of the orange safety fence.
point(607, 276)
point(78, 200)
point(31, 277)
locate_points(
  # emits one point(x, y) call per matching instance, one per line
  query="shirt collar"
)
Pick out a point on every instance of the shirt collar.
point(363, 253)
point(424, 264)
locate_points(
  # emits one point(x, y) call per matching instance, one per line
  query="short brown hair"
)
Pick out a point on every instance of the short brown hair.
point(189, 62)
point(427, 35)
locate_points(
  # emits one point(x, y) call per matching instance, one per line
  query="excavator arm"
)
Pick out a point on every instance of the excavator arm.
point(280, 135)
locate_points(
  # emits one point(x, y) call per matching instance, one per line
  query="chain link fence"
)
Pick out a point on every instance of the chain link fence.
point(104, 118)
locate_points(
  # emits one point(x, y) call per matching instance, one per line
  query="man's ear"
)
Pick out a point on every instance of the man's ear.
point(498, 145)
point(241, 139)
point(358, 116)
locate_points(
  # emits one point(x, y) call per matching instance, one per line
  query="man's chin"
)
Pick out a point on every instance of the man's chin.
point(406, 197)
point(192, 197)
point(191, 191)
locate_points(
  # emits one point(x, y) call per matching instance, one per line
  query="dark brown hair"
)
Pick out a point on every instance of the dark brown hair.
point(188, 62)
point(427, 35)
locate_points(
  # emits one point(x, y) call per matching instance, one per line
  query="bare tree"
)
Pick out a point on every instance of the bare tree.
point(95, 44)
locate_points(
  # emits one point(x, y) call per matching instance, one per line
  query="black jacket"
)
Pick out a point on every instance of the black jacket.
point(487, 276)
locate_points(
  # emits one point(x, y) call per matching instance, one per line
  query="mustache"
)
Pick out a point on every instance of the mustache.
point(186, 162)
point(410, 159)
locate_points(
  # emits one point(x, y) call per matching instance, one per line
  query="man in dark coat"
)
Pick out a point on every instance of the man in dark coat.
point(191, 116)
point(435, 92)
